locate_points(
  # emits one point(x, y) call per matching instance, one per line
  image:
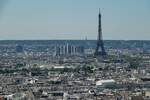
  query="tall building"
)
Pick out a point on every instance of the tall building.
point(64, 50)
point(100, 50)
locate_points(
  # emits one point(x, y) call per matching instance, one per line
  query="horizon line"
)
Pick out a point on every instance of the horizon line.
point(72, 40)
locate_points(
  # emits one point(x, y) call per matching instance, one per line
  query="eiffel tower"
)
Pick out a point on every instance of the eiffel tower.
point(100, 50)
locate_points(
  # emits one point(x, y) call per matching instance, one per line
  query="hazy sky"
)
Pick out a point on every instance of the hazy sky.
point(74, 19)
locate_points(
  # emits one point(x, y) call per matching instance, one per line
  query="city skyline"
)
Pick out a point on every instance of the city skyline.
point(68, 19)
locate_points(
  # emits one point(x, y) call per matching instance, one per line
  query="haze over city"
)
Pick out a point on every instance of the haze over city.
point(74, 19)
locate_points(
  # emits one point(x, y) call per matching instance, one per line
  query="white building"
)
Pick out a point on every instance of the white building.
point(105, 83)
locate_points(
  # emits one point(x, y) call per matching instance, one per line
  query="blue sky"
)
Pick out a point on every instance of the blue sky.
point(74, 19)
